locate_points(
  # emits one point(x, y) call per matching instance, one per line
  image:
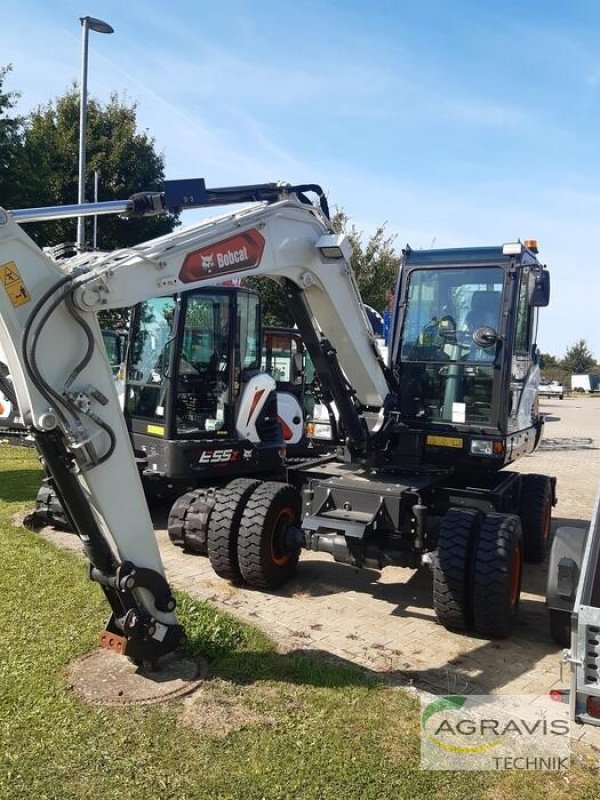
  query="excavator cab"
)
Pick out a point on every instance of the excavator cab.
point(464, 352)
point(195, 398)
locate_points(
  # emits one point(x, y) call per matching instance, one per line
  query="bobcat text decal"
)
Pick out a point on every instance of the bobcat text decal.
point(240, 252)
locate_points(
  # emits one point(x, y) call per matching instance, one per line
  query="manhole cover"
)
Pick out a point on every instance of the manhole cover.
point(568, 443)
point(105, 678)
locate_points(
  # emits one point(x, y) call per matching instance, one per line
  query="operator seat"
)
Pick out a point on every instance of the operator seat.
point(485, 310)
point(478, 380)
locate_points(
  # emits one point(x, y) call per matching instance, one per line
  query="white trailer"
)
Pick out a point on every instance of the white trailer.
point(587, 383)
point(573, 597)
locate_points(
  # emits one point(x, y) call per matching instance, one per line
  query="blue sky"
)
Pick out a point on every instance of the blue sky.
point(464, 123)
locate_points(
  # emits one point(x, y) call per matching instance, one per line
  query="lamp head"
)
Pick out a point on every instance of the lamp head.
point(97, 25)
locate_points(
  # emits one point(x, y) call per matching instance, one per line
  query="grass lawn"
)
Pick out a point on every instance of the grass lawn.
point(263, 725)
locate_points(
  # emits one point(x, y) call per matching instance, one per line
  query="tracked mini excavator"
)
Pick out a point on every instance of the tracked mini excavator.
point(427, 485)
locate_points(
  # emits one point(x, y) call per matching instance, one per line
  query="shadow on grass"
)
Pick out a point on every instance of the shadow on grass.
point(20, 485)
point(312, 667)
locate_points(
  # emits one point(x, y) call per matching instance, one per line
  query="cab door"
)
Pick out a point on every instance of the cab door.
point(283, 357)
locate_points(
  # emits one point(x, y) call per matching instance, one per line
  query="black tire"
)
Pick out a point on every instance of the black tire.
point(560, 626)
point(496, 575)
point(189, 518)
point(536, 516)
point(452, 568)
point(223, 527)
point(266, 559)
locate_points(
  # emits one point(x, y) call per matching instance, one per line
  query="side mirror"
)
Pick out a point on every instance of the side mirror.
point(539, 287)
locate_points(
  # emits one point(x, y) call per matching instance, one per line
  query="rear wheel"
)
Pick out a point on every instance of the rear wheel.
point(268, 551)
point(452, 568)
point(496, 577)
point(536, 513)
point(223, 527)
point(189, 518)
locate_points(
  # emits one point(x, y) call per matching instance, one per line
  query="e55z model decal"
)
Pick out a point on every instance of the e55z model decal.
point(228, 456)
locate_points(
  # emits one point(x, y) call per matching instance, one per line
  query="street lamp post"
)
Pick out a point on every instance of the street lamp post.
point(87, 24)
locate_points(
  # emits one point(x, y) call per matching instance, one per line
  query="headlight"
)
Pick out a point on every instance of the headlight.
point(318, 430)
point(487, 447)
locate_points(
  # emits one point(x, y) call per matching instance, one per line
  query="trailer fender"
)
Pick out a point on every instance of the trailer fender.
point(564, 567)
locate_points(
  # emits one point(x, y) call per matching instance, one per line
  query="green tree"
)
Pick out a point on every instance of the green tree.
point(552, 369)
point(125, 159)
point(548, 361)
point(375, 264)
point(11, 143)
point(275, 308)
point(578, 358)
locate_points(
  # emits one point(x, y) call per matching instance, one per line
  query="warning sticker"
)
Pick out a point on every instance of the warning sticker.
point(443, 441)
point(10, 278)
point(157, 430)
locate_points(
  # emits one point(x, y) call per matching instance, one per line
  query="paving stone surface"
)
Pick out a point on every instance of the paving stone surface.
point(384, 621)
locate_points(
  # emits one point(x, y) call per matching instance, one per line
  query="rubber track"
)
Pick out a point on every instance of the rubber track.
point(224, 525)
point(48, 510)
point(189, 518)
point(452, 568)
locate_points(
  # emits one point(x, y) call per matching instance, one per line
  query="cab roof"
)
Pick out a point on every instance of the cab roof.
point(467, 255)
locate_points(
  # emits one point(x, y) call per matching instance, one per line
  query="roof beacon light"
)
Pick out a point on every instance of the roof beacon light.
point(531, 244)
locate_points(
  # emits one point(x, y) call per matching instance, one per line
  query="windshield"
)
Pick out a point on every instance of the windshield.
point(147, 376)
point(445, 308)
point(203, 373)
point(112, 345)
point(448, 344)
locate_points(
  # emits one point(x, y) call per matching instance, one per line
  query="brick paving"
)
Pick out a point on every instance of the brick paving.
point(384, 621)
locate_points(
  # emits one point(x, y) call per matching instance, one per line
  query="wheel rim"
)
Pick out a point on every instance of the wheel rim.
point(279, 554)
point(515, 577)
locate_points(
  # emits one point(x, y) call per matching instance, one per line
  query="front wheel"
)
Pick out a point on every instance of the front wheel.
point(268, 549)
point(452, 568)
point(223, 527)
point(496, 575)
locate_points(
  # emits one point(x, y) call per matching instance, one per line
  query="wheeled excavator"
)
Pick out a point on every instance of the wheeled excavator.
point(426, 485)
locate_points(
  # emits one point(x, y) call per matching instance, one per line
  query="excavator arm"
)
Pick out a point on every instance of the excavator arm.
point(67, 398)
point(53, 345)
point(287, 240)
